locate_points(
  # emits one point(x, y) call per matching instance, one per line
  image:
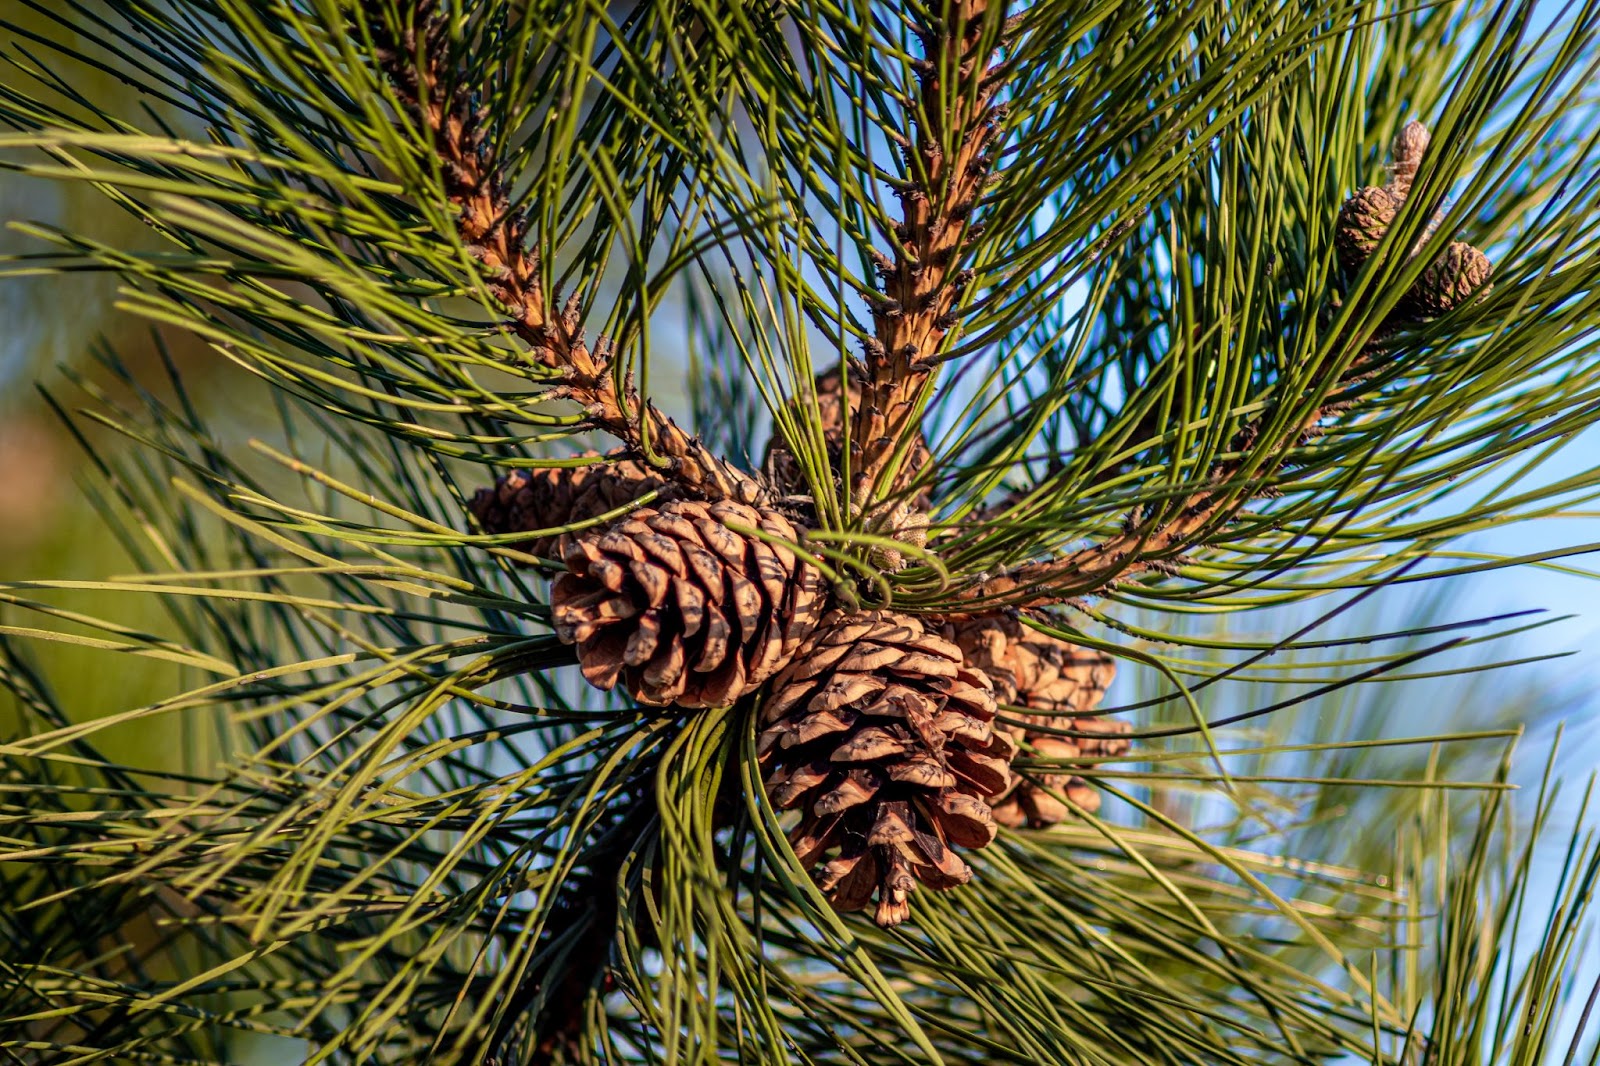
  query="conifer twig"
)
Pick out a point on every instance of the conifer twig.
point(1152, 542)
point(496, 235)
point(949, 166)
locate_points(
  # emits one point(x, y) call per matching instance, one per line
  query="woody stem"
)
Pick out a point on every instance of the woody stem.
point(952, 125)
point(1149, 542)
point(497, 237)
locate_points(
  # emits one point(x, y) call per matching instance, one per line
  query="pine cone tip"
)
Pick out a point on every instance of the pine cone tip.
point(884, 740)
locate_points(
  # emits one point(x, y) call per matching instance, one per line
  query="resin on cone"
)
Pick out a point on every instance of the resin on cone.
point(678, 608)
point(883, 737)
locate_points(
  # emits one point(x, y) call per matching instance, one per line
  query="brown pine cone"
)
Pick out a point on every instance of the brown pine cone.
point(884, 739)
point(1369, 212)
point(1409, 146)
point(1363, 220)
point(780, 464)
point(1049, 681)
point(1459, 273)
point(524, 501)
point(683, 610)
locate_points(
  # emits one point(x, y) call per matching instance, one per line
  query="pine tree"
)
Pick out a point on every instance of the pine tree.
point(1029, 346)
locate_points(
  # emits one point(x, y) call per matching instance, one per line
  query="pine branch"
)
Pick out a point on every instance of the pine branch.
point(1153, 542)
point(948, 166)
point(1157, 541)
point(495, 233)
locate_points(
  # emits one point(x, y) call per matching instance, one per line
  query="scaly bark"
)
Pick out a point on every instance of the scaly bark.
point(415, 62)
point(922, 281)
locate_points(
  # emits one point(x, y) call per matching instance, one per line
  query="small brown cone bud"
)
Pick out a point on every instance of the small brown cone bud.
point(884, 740)
point(1363, 220)
point(1050, 681)
point(1459, 273)
point(680, 609)
point(527, 501)
point(833, 405)
point(1410, 144)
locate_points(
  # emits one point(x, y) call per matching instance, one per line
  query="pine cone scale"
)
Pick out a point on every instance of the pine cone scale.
point(870, 744)
point(989, 775)
point(666, 669)
point(966, 820)
point(1046, 683)
point(681, 608)
point(883, 739)
point(661, 551)
point(857, 787)
point(641, 646)
point(852, 888)
point(788, 784)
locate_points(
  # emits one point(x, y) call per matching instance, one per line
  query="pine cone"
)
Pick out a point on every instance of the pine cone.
point(1453, 278)
point(884, 739)
point(524, 501)
point(834, 407)
point(1408, 148)
point(1054, 681)
point(1363, 220)
point(1459, 273)
point(680, 608)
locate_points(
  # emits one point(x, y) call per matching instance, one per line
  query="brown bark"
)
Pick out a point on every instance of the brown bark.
point(497, 237)
point(952, 131)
